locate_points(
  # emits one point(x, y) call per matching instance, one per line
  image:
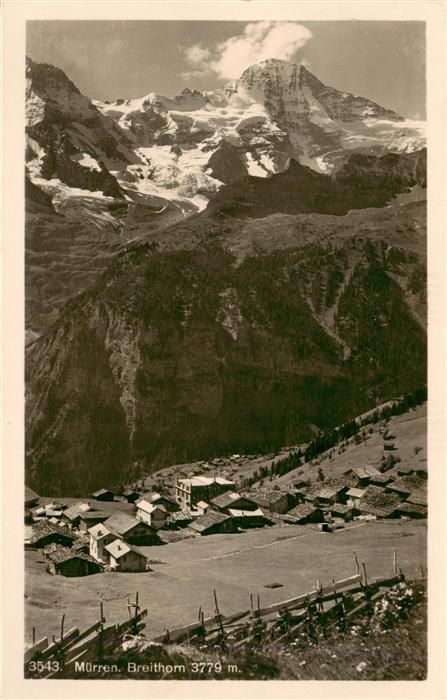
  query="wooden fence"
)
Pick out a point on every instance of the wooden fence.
point(320, 609)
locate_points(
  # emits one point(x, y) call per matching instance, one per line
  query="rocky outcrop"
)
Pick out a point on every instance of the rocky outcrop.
point(362, 180)
point(67, 137)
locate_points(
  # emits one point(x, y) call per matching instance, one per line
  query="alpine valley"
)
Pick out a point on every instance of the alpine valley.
point(214, 272)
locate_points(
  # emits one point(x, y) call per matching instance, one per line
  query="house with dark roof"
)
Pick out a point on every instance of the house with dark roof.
point(271, 499)
point(379, 503)
point(132, 530)
point(178, 520)
point(130, 495)
point(364, 474)
point(231, 499)
point(45, 533)
point(123, 557)
point(304, 513)
point(71, 562)
point(102, 495)
point(341, 510)
point(412, 510)
point(406, 485)
point(326, 493)
point(245, 519)
point(212, 523)
point(89, 518)
point(72, 515)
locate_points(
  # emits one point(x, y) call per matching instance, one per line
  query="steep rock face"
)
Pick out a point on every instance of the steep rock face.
point(194, 352)
point(67, 137)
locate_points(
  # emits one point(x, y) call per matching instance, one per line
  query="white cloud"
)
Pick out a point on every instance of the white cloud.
point(258, 42)
point(197, 54)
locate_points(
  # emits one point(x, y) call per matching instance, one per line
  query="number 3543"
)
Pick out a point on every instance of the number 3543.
point(41, 666)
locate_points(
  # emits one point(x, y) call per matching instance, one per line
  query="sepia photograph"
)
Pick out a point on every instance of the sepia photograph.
point(226, 463)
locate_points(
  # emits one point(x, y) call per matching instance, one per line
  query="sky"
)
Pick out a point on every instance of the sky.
point(383, 61)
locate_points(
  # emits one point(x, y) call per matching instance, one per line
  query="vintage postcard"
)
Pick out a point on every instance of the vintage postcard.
point(223, 414)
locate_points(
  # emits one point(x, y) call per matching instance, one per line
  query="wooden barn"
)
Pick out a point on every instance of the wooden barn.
point(102, 495)
point(305, 513)
point(212, 523)
point(45, 533)
point(272, 500)
point(231, 499)
point(248, 518)
point(70, 562)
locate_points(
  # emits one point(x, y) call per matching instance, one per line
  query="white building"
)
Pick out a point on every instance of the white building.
point(123, 557)
point(153, 514)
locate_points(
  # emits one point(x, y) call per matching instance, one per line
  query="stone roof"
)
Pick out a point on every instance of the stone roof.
point(207, 520)
point(179, 516)
point(407, 484)
point(301, 511)
point(43, 528)
point(366, 472)
point(226, 499)
point(60, 554)
point(99, 531)
point(122, 523)
point(378, 502)
point(76, 509)
point(268, 495)
point(413, 508)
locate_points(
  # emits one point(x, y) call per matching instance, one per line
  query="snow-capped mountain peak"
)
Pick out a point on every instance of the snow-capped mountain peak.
point(182, 148)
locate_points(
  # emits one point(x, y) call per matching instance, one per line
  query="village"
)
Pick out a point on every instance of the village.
point(111, 531)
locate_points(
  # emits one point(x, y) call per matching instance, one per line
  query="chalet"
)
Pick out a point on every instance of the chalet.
point(212, 523)
point(342, 511)
point(327, 493)
point(271, 499)
point(31, 498)
point(305, 513)
point(364, 474)
point(380, 479)
point(412, 510)
point(153, 514)
point(100, 537)
point(405, 485)
point(123, 557)
point(170, 504)
point(89, 518)
point(201, 507)
point(102, 495)
point(72, 515)
point(379, 503)
point(248, 518)
point(132, 530)
point(130, 495)
point(354, 497)
point(45, 533)
point(178, 520)
point(200, 488)
point(70, 562)
point(231, 499)
point(82, 544)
